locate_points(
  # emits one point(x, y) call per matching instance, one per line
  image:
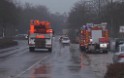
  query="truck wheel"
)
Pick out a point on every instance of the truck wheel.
point(82, 48)
point(105, 51)
point(31, 49)
point(50, 49)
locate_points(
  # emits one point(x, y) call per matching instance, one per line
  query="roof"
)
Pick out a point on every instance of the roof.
point(121, 45)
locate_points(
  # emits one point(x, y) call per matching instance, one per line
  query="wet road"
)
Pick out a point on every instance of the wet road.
point(64, 62)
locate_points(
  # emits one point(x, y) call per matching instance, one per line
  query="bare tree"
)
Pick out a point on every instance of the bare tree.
point(8, 16)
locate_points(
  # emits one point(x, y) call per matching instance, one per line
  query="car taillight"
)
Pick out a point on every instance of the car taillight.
point(121, 56)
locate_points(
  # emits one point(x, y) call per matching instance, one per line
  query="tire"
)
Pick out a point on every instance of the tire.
point(50, 49)
point(31, 49)
point(82, 48)
point(105, 51)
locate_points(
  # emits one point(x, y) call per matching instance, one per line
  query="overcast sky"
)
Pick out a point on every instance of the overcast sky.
point(53, 5)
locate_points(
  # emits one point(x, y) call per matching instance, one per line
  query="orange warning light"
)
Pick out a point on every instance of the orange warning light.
point(36, 22)
point(40, 36)
point(32, 29)
point(49, 31)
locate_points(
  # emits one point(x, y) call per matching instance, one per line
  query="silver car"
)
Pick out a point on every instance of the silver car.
point(118, 57)
point(65, 40)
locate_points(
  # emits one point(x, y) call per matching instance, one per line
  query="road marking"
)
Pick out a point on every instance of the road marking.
point(81, 61)
point(31, 66)
point(12, 52)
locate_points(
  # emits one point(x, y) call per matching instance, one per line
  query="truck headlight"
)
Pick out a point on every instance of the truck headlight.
point(31, 41)
point(91, 40)
point(104, 45)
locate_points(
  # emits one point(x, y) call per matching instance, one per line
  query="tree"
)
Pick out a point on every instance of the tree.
point(58, 22)
point(113, 13)
point(31, 13)
point(39, 12)
point(97, 11)
point(80, 14)
point(8, 16)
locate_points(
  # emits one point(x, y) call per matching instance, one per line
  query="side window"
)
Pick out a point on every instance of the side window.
point(122, 49)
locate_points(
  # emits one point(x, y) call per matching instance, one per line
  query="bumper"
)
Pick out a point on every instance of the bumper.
point(97, 50)
point(46, 46)
point(66, 42)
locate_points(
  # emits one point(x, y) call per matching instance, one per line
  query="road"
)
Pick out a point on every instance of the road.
point(65, 61)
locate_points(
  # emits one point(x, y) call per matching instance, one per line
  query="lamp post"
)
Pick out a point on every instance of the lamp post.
point(3, 33)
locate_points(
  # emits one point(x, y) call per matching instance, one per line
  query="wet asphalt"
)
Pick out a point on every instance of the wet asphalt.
point(65, 61)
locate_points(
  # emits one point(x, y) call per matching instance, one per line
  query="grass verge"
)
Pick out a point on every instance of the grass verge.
point(115, 71)
point(6, 43)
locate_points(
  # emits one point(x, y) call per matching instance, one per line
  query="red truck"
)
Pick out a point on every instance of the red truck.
point(94, 39)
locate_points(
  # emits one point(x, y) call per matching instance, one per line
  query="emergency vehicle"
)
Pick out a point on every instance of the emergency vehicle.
point(94, 39)
point(40, 35)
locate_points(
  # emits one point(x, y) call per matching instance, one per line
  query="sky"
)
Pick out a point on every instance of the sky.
point(54, 6)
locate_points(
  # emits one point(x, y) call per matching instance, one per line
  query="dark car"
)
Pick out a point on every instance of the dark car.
point(118, 56)
point(118, 42)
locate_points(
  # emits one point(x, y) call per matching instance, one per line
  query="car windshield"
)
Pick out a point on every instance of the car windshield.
point(65, 38)
point(122, 49)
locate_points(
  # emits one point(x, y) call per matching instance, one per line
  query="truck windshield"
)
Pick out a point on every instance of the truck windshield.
point(65, 38)
point(40, 29)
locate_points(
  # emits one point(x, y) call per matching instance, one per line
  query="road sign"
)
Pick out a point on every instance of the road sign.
point(121, 29)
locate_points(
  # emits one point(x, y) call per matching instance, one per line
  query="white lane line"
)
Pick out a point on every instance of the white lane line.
point(32, 66)
point(12, 52)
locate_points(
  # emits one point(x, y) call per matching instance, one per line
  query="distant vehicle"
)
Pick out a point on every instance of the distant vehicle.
point(94, 39)
point(65, 40)
point(26, 36)
point(21, 36)
point(118, 42)
point(60, 38)
point(40, 35)
point(118, 57)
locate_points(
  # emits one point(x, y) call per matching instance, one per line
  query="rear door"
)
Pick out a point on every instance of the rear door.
point(96, 34)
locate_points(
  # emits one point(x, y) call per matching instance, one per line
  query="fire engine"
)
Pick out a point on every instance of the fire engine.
point(94, 39)
point(40, 35)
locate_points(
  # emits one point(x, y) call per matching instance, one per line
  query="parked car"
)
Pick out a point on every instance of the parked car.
point(118, 41)
point(118, 56)
point(65, 40)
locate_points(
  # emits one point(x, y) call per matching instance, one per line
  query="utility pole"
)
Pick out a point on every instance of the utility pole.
point(3, 31)
point(111, 27)
point(99, 11)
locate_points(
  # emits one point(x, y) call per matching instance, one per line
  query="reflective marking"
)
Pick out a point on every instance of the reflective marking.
point(81, 58)
point(32, 66)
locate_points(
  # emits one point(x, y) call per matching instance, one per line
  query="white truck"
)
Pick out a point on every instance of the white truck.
point(40, 35)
